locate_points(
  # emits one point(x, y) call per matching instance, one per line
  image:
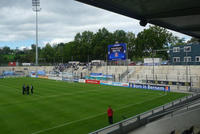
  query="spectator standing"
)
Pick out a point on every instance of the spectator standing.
point(31, 89)
point(23, 89)
point(110, 115)
point(27, 89)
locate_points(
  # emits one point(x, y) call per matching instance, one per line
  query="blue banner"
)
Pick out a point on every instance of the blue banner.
point(110, 83)
point(151, 87)
point(66, 79)
point(41, 72)
point(1, 77)
point(76, 80)
point(8, 73)
point(117, 52)
point(96, 74)
point(107, 76)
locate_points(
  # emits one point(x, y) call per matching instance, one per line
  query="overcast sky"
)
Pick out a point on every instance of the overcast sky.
point(59, 21)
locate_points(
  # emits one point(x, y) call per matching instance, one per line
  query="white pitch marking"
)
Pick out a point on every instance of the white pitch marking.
point(52, 96)
point(89, 117)
point(16, 89)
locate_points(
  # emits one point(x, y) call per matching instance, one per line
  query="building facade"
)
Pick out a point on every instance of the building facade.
point(185, 54)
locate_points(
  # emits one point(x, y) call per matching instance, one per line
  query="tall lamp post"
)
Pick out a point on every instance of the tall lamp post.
point(127, 62)
point(153, 52)
point(186, 60)
point(36, 9)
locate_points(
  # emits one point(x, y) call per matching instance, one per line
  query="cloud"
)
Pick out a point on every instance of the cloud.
point(55, 41)
point(59, 20)
point(24, 47)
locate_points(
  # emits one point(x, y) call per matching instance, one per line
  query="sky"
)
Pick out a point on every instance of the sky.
point(59, 21)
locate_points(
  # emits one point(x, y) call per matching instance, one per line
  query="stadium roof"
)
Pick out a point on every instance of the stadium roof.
point(178, 15)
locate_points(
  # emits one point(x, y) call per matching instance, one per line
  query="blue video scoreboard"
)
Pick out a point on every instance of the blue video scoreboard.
point(117, 52)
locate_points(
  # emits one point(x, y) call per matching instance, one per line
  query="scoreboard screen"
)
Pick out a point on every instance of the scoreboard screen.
point(117, 52)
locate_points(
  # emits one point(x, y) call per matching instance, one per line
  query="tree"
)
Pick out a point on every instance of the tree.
point(100, 43)
point(130, 37)
point(149, 40)
point(48, 52)
point(119, 36)
point(2, 60)
point(176, 41)
point(68, 51)
point(6, 50)
point(193, 40)
point(95, 46)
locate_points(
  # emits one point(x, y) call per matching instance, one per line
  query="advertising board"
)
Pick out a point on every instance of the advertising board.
point(96, 74)
point(33, 76)
point(114, 83)
point(167, 82)
point(55, 78)
point(120, 84)
point(26, 64)
point(66, 79)
point(117, 52)
point(76, 80)
point(81, 81)
point(92, 81)
point(43, 77)
point(108, 76)
point(12, 64)
point(106, 83)
point(151, 87)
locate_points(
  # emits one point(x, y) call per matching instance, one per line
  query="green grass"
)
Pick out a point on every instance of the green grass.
point(59, 107)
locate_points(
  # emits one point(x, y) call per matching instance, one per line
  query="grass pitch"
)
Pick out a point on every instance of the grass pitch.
point(59, 107)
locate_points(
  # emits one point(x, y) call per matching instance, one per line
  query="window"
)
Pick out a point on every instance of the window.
point(176, 49)
point(176, 59)
point(187, 59)
point(197, 58)
point(187, 49)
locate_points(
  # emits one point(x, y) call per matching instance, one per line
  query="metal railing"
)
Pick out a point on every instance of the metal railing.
point(119, 126)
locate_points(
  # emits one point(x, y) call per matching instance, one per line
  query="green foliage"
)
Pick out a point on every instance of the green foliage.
point(6, 55)
point(89, 46)
point(48, 52)
point(178, 41)
point(193, 40)
point(152, 39)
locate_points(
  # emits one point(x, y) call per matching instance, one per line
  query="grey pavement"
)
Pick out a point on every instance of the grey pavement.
point(180, 121)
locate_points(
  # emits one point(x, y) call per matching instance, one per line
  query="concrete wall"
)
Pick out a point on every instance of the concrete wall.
point(26, 69)
point(163, 73)
point(136, 73)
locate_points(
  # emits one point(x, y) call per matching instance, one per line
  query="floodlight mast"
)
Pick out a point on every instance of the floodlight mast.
point(36, 9)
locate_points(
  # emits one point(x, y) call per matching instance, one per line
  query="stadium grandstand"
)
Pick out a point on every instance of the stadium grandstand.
point(147, 98)
point(182, 16)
